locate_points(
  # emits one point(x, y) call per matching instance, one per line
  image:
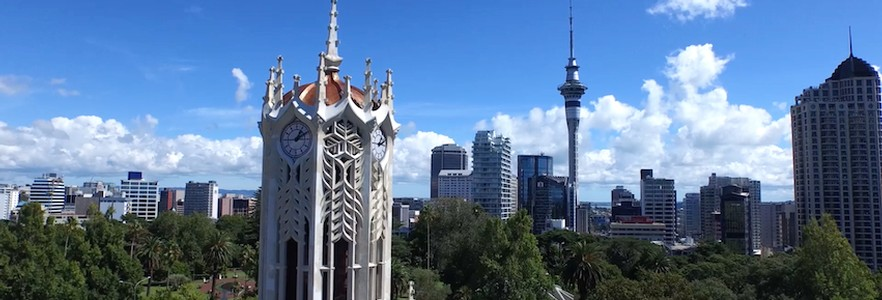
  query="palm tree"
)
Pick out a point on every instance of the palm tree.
point(152, 256)
point(583, 268)
point(217, 256)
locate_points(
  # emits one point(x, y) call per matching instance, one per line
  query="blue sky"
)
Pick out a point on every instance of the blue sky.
point(96, 89)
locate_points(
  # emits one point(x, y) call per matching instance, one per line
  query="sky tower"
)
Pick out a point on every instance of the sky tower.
point(572, 90)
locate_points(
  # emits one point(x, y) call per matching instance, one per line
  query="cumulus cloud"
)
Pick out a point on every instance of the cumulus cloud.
point(95, 146)
point(67, 92)
point(12, 85)
point(92, 146)
point(686, 10)
point(685, 130)
point(242, 84)
point(411, 153)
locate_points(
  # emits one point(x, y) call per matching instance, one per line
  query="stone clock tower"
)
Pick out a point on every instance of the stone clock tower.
point(325, 229)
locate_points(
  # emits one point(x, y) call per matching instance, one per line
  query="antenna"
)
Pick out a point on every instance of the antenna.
point(572, 54)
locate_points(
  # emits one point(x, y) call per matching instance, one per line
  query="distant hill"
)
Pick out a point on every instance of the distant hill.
point(241, 192)
point(248, 193)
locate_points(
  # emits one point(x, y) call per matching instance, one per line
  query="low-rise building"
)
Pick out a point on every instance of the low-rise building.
point(641, 228)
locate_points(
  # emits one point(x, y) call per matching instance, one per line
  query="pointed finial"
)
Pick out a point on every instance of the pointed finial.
point(388, 96)
point(280, 59)
point(333, 58)
point(850, 48)
point(348, 92)
point(375, 92)
point(367, 74)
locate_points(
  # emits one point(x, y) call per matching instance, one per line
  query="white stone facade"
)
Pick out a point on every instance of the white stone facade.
point(327, 164)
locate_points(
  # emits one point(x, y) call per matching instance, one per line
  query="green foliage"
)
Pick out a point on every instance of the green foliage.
point(427, 285)
point(447, 238)
point(510, 264)
point(712, 289)
point(584, 269)
point(827, 268)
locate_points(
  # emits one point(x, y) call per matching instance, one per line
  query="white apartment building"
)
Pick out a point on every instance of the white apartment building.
point(143, 195)
point(48, 190)
point(455, 184)
point(8, 201)
point(493, 184)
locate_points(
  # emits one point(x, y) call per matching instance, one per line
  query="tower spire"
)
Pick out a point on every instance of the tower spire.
point(850, 48)
point(572, 66)
point(332, 57)
point(572, 51)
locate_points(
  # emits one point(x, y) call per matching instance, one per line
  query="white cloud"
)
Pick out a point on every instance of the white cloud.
point(780, 105)
point(57, 81)
point(242, 84)
point(68, 93)
point(12, 85)
point(686, 10)
point(92, 146)
point(411, 155)
point(685, 130)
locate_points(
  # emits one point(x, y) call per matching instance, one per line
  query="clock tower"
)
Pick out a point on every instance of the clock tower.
point(325, 223)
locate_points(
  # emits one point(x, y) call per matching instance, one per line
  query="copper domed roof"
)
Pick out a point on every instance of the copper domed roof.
point(853, 67)
point(334, 89)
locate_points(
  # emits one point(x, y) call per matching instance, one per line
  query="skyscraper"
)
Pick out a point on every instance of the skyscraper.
point(549, 202)
point(659, 204)
point(446, 157)
point(710, 203)
point(623, 204)
point(837, 140)
point(530, 167)
point(779, 225)
point(49, 191)
point(692, 214)
point(572, 90)
point(143, 195)
point(201, 198)
point(493, 186)
point(583, 218)
point(733, 219)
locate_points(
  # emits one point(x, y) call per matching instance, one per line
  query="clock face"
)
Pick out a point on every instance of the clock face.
point(296, 139)
point(378, 144)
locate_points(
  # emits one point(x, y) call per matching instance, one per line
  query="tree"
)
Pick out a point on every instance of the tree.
point(427, 285)
point(554, 246)
point(250, 263)
point(217, 256)
point(827, 267)
point(584, 268)
point(510, 264)
point(234, 226)
point(712, 289)
point(152, 255)
point(448, 238)
point(400, 278)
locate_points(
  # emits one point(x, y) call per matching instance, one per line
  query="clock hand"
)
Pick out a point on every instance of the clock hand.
point(297, 138)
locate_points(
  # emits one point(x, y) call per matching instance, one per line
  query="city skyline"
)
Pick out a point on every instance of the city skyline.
point(646, 109)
